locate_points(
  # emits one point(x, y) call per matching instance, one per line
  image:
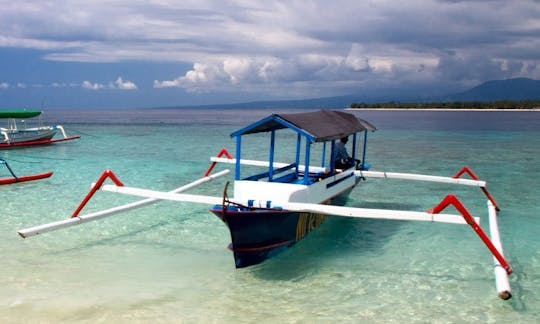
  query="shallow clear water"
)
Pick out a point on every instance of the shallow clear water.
point(168, 262)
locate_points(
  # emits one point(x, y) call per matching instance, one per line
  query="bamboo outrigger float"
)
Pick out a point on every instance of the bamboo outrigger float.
point(18, 134)
point(273, 209)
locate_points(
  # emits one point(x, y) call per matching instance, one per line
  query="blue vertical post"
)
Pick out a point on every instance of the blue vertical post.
point(333, 157)
point(306, 171)
point(298, 145)
point(364, 150)
point(238, 156)
point(271, 157)
point(323, 158)
point(354, 146)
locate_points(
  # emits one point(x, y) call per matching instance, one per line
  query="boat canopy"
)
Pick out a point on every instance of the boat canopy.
point(19, 113)
point(324, 126)
point(318, 126)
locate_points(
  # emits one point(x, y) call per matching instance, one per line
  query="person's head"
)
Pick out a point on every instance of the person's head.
point(344, 140)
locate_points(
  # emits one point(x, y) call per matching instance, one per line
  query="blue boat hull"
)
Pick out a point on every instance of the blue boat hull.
point(259, 234)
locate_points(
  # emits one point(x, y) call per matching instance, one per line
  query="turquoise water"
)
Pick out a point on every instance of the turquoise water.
point(168, 262)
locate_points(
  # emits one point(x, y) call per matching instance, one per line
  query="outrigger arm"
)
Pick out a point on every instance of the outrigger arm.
point(422, 177)
point(15, 178)
point(75, 219)
point(2, 161)
point(502, 269)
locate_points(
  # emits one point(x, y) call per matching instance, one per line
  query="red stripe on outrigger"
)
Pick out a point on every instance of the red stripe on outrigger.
point(452, 200)
point(466, 169)
point(106, 174)
point(266, 247)
point(222, 152)
point(25, 178)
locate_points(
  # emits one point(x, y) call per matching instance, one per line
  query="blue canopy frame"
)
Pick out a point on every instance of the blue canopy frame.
point(319, 126)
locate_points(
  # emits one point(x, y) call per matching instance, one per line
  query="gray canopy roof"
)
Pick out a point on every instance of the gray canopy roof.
point(319, 126)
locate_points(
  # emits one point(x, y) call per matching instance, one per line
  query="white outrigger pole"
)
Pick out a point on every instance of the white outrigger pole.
point(502, 268)
point(77, 220)
point(501, 273)
point(475, 182)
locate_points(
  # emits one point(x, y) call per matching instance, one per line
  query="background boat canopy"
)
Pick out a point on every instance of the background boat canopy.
point(19, 113)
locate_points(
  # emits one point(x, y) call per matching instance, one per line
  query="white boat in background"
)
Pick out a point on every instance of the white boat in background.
point(18, 132)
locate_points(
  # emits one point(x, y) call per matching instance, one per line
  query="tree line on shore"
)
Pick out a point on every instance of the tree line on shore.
point(501, 104)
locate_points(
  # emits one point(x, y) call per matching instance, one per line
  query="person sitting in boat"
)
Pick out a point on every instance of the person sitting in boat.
point(342, 159)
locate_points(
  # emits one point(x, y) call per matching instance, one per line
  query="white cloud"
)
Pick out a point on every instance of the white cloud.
point(63, 85)
point(119, 84)
point(255, 74)
point(92, 86)
point(4, 85)
point(238, 69)
point(278, 46)
point(202, 78)
point(125, 85)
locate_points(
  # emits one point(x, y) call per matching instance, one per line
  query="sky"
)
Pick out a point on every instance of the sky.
point(158, 53)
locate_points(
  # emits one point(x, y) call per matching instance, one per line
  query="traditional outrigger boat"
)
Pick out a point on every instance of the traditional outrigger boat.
point(18, 134)
point(273, 209)
point(15, 179)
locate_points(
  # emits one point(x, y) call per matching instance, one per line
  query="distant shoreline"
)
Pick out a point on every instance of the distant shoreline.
point(445, 109)
point(503, 105)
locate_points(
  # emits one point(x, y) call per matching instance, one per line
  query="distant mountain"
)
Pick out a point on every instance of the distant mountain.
point(337, 102)
point(311, 103)
point(510, 89)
